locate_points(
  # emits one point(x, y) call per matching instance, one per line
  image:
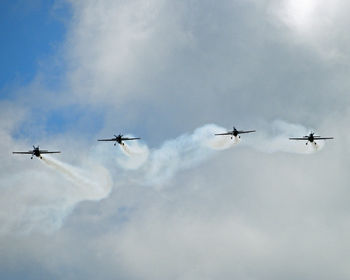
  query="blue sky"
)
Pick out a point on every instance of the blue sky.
point(31, 33)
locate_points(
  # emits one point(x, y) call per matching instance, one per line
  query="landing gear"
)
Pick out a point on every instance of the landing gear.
point(115, 144)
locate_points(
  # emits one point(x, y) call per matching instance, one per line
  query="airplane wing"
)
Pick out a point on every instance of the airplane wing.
point(323, 138)
point(23, 153)
point(111, 139)
point(126, 138)
point(296, 138)
point(47, 152)
point(247, 131)
point(226, 133)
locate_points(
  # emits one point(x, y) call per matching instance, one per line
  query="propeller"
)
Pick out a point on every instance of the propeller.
point(33, 152)
point(116, 137)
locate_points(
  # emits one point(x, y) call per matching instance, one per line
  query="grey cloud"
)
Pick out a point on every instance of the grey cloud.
point(195, 62)
point(217, 220)
point(162, 69)
point(35, 197)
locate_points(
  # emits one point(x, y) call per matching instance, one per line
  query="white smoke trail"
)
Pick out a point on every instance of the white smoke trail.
point(88, 185)
point(317, 146)
point(126, 150)
point(159, 165)
point(33, 199)
point(222, 142)
point(44, 206)
point(274, 138)
point(135, 155)
point(182, 153)
point(92, 183)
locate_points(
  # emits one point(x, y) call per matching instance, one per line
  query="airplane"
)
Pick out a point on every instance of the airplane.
point(36, 152)
point(119, 139)
point(310, 138)
point(235, 132)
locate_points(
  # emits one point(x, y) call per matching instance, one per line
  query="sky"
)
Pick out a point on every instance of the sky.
point(180, 203)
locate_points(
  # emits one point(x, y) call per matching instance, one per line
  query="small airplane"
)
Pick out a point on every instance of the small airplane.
point(235, 132)
point(310, 138)
point(119, 139)
point(36, 152)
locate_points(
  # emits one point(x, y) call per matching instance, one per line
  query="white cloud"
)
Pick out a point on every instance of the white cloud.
point(35, 198)
point(189, 207)
point(114, 46)
point(317, 24)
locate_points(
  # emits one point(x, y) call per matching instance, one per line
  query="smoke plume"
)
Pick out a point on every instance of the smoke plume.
point(35, 199)
point(156, 166)
point(88, 185)
point(44, 206)
point(134, 155)
point(274, 137)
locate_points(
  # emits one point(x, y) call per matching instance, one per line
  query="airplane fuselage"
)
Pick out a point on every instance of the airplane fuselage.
point(311, 138)
point(119, 140)
point(36, 152)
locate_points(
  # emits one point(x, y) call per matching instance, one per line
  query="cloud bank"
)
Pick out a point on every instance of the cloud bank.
point(194, 206)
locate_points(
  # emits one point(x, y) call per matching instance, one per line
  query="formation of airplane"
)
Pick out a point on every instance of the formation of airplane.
point(36, 152)
point(235, 132)
point(119, 139)
point(310, 138)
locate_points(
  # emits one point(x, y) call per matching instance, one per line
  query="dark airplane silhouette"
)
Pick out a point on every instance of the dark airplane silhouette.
point(310, 138)
point(235, 132)
point(36, 152)
point(119, 139)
